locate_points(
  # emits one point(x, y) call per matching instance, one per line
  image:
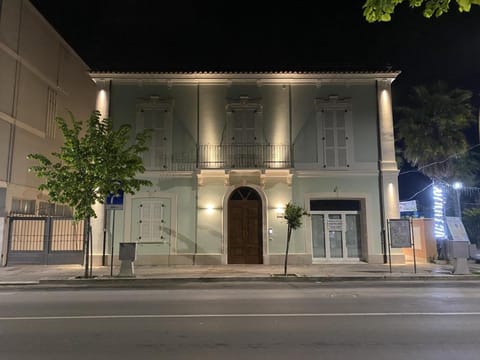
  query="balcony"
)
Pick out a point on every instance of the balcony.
point(244, 156)
point(232, 156)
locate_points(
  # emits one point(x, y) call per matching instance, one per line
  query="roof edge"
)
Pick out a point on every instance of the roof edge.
point(205, 76)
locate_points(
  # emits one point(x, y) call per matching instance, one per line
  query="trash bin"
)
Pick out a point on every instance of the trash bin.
point(127, 254)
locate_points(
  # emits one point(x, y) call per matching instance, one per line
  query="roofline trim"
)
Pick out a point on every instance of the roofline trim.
point(259, 77)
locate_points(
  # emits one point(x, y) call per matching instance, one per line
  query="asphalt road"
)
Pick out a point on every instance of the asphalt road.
point(413, 320)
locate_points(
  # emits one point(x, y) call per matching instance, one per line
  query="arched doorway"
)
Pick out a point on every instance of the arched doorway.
point(245, 227)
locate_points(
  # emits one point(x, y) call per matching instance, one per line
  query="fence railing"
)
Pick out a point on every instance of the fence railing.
point(231, 156)
point(44, 240)
point(244, 156)
point(42, 233)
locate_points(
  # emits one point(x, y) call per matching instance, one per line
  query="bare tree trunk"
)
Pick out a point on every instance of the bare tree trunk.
point(86, 246)
point(289, 234)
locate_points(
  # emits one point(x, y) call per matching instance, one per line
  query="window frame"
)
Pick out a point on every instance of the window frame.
point(149, 157)
point(334, 104)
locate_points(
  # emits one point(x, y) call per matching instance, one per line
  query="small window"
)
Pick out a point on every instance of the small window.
point(51, 126)
point(20, 206)
point(244, 193)
point(50, 209)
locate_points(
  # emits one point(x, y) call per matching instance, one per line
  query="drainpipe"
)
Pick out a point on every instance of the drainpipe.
point(290, 123)
point(383, 233)
point(195, 184)
point(14, 108)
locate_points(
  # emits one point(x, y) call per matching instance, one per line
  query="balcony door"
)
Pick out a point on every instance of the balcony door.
point(245, 227)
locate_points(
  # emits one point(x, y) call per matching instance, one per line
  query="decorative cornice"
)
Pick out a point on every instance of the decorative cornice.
point(244, 103)
point(333, 102)
point(155, 102)
point(264, 78)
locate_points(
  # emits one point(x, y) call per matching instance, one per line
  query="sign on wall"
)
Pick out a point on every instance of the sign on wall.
point(400, 233)
point(456, 228)
point(408, 206)
point(335, 224)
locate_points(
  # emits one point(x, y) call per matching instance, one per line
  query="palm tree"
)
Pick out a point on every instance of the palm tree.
point(431, 131)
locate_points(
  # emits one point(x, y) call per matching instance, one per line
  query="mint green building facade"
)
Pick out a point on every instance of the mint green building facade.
point(230, 150)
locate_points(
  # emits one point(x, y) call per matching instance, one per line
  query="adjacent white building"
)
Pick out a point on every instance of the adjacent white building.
point(41, 77)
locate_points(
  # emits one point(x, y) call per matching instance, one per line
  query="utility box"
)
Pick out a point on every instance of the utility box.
point(127, 254)
point(128, 251)
point(459, 251)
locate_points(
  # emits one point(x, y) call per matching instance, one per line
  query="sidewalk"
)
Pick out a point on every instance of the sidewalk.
point(73, 274)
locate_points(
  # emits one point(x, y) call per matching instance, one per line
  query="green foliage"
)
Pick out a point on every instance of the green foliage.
point(381, 10)
point(92, 163)
point(471, 221)
point(293, 215)
point(430, 131)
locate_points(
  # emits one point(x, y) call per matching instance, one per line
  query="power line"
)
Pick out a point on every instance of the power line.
point(440, 162)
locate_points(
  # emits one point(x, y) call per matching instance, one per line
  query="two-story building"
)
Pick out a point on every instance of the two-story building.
point(230, 150)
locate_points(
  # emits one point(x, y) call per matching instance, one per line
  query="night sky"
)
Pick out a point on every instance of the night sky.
point(264, 35)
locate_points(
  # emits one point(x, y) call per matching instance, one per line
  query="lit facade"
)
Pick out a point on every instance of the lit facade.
point(41, 78)
point(230, 150)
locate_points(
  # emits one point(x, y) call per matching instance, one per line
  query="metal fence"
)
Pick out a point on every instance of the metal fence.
point(230, 156)
point(244, 156)
point(44, 240)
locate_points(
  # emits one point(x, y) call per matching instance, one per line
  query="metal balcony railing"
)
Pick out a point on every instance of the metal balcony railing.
point(232, 156)
point(244, 156)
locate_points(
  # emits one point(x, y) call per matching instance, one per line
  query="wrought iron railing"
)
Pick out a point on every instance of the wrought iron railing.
point(232, 156)
point(244, 156)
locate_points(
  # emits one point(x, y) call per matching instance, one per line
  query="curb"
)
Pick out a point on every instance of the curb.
point(134, 282)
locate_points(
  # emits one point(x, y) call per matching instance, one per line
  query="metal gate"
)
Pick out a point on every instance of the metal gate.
point(45, 240)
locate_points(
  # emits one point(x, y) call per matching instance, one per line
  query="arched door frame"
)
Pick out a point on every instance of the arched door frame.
point(263, 198)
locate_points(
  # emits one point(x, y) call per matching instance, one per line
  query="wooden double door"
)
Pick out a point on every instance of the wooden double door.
point(245, 227)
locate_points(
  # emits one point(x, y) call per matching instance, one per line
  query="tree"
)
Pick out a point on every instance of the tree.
point(471, 220)
point(91, 164)
point(381, 10)
point(431, 131)
point(293, 215)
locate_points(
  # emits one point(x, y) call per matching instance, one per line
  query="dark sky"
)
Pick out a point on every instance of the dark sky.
point(264, 35)
point(152, 35)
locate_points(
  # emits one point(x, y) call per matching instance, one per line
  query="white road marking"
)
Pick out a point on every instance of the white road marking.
point(187, 316)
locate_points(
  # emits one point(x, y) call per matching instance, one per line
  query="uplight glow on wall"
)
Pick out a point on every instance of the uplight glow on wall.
point(438, 212)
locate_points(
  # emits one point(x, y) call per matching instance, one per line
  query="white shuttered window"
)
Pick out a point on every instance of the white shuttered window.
point(157, 117)
point(334, 133)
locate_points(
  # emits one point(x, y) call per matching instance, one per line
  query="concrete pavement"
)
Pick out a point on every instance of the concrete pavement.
point(71, 275)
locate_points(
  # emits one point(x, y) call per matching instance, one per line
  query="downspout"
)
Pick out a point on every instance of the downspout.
point(383, 232)
point(105, 212)
point(290, 124)
point(195, 179)
point(14, 108)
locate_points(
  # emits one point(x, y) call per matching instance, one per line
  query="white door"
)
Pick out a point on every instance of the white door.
point(336, 235)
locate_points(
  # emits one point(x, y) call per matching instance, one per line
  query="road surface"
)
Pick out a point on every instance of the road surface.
point(357, 320)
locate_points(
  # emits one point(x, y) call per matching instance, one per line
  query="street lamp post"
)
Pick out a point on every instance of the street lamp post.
point(458, 208)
